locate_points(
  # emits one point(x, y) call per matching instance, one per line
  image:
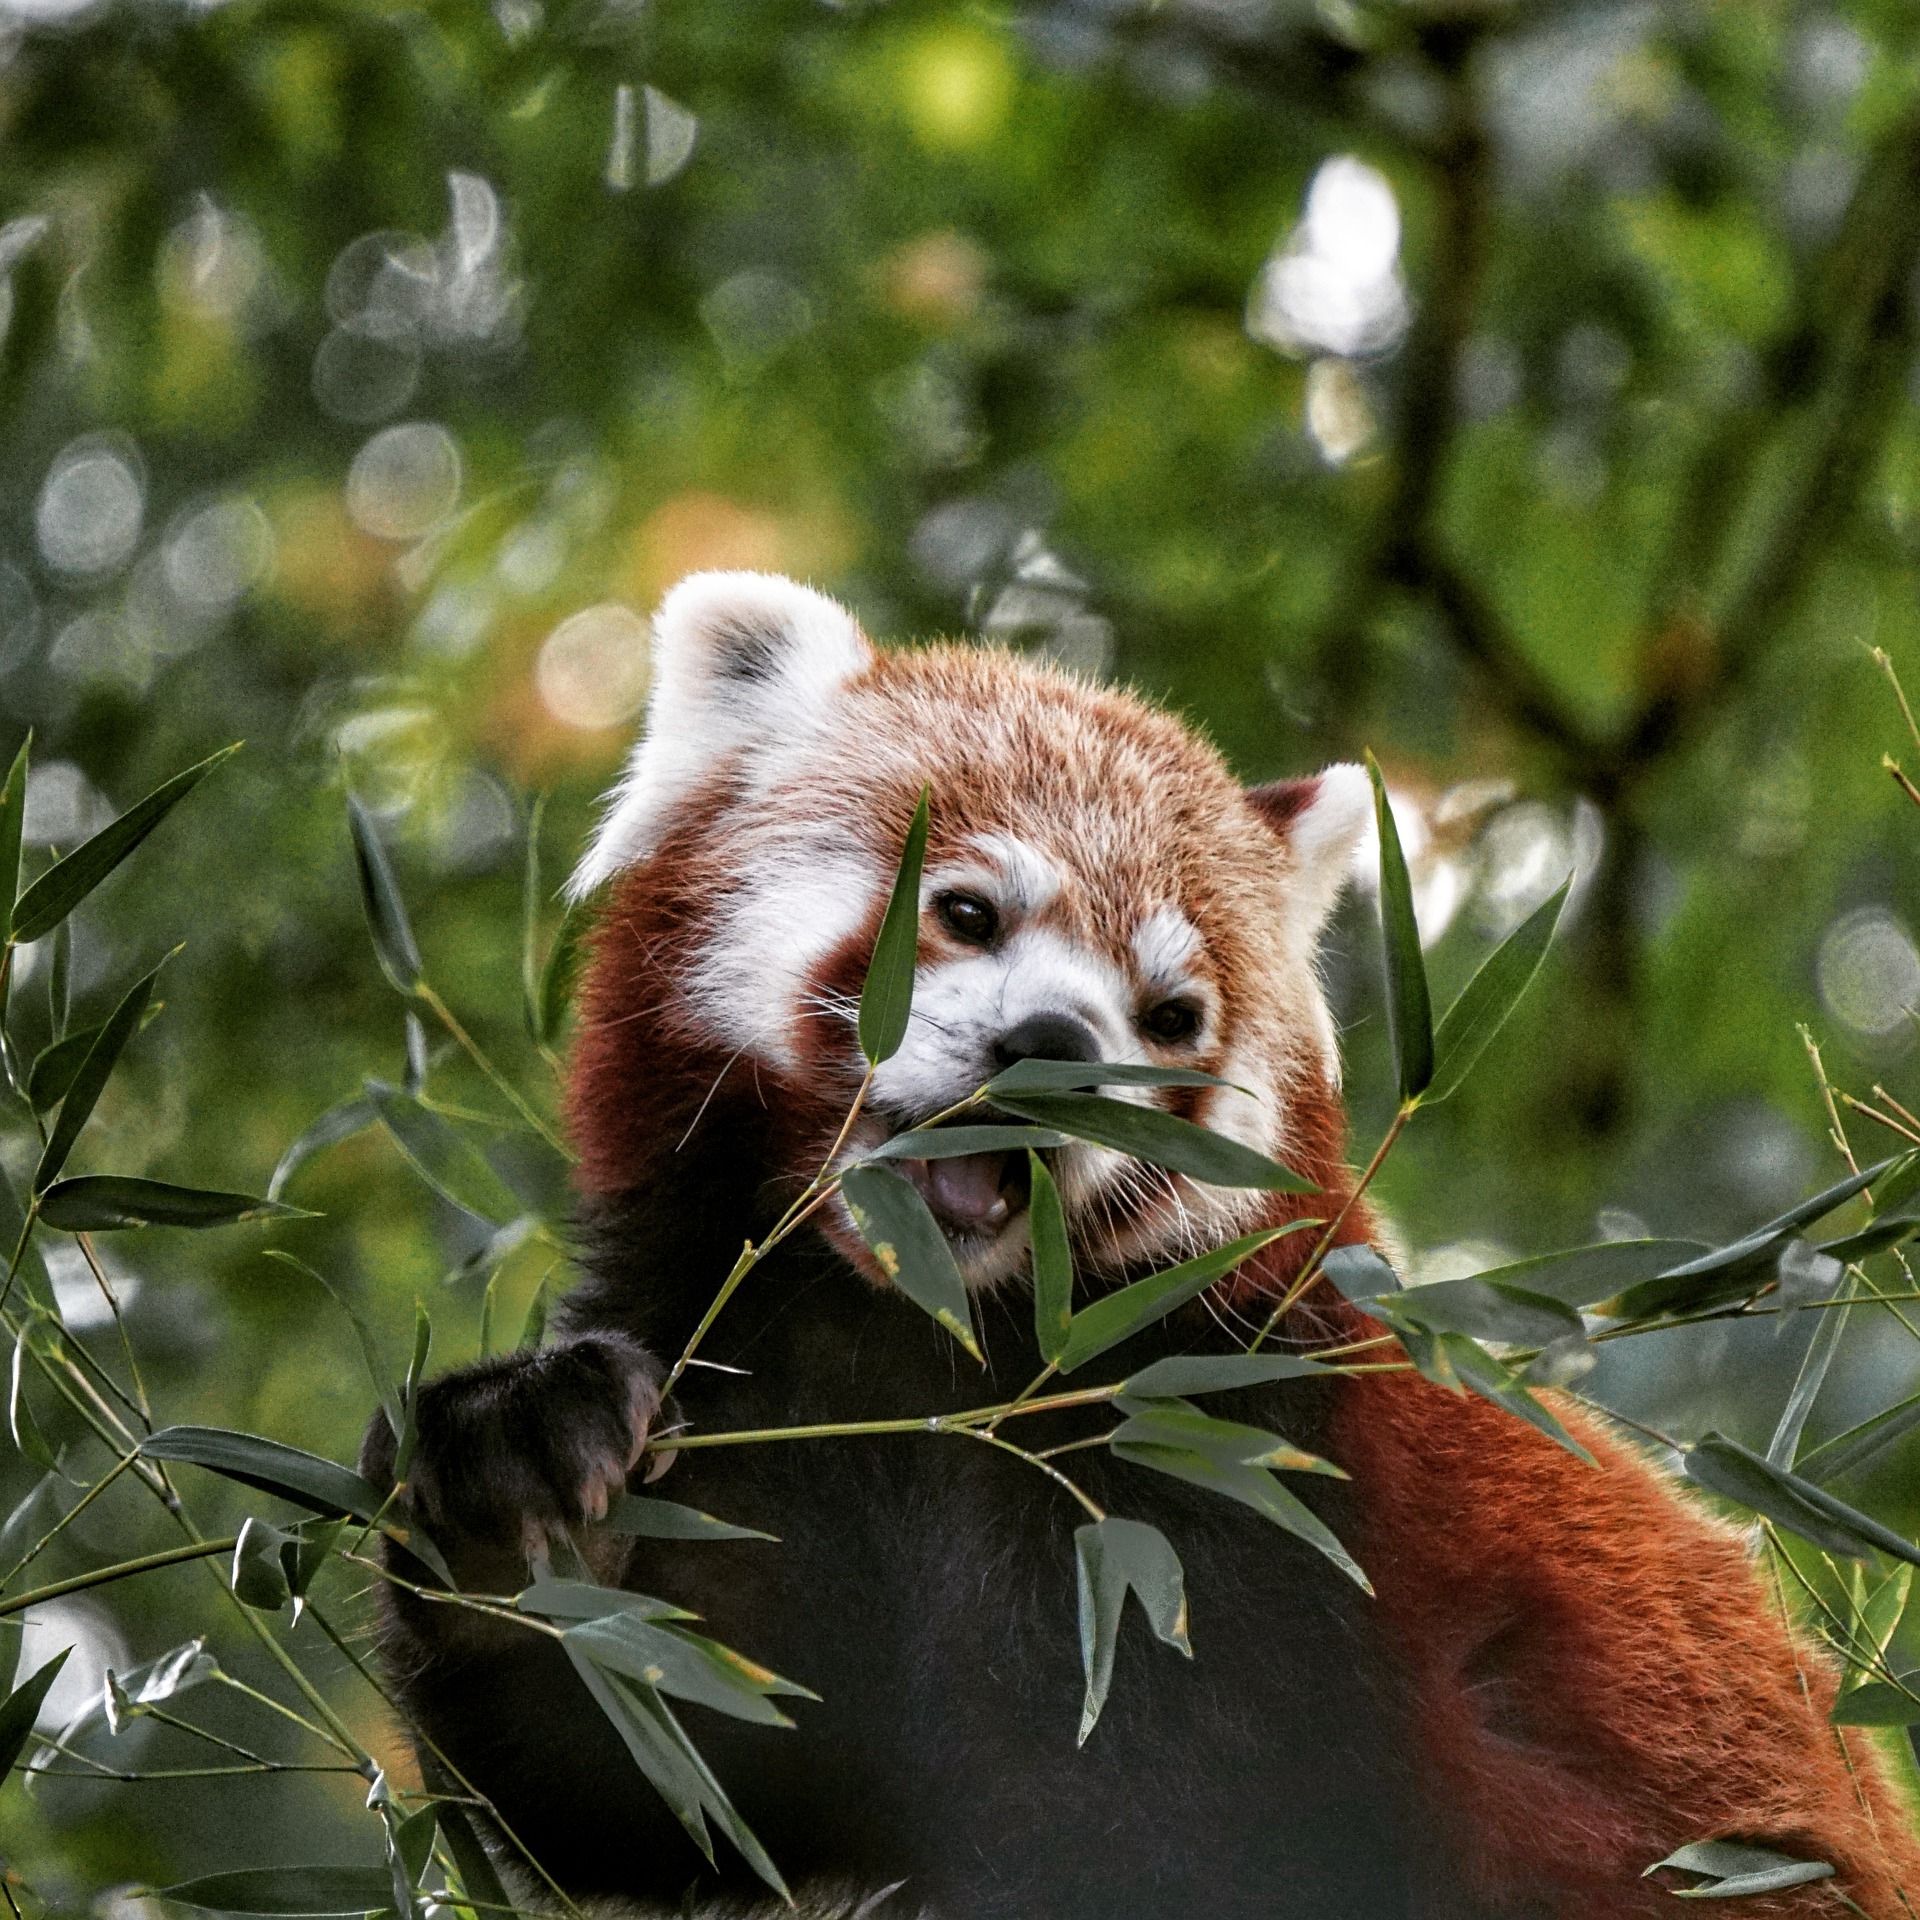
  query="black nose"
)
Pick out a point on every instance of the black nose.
point(1046, 1036)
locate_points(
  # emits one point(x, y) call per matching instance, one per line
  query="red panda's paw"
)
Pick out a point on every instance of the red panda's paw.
point(515, 1452)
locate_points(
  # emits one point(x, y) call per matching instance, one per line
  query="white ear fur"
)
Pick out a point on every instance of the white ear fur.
point(1325, 835)
point(737, 658)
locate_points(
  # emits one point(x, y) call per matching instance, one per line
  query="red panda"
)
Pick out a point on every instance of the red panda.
point(1565, 1672)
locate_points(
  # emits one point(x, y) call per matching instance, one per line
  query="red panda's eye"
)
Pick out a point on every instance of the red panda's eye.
point(967, 917)
point(1172, 1021)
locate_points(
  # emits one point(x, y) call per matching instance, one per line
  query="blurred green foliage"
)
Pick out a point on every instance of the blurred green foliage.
point(1520, 390)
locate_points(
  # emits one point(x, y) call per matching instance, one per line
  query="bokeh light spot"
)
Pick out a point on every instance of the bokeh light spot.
point(404, 481)
point(1869, 972)
point(91, 506)
point(593, 669)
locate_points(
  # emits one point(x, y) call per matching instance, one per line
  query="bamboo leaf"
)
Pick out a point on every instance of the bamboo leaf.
point(1486, 1309)
point(13, 814)
point(1729, 1273)
point(1491, 995)
point(886, 1000)
point(1807, 1383)
point(1409, 1005)
point(442, 1156)
point(911, 1250)
point(387, 922)
point(1725, 1467)
point(339, 1122)
point(104, 1202)
point(1876, 1704)
point(67, 882)
point(21, 1709)
point(686, 1665)
point(288, 1893)
point(1253, 1487)
point(1077, 1076)
point(90, 1077)
point(1218, 1373)
point(953, 1143)
point(1114, 1558)
point(649, 1518)
point(1052, 1262)
point(1161, 1138)
point(1177, 1423)
point(1120, 1315)
point(1733, 1871)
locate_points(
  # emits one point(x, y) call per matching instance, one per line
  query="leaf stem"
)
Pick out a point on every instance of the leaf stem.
point(431, 1000)
point(1311, 1271)
point(120, 1570)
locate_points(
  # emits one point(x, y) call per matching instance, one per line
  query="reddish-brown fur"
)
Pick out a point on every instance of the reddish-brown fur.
point(1599, 1675)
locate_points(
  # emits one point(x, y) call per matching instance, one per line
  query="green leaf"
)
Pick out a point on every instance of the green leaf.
point(387, 922)
point(256, 1575)
point(562, 968)
point(886, 1000)
point(53, 1069)
point(672, 1764)
point(1487, 1309)
point(1876, 1704)
point(532, 901)
point(90, 1078)
point(442, 1156)
point(1078, 1076)
point(21, 1421)
point(31, 1274)
point(377, 1371)
point(1218, 1373)
point(22, 1708)
point(687, 1665)
point(650, 1518)
point(1734, 1870)
point(533, 1329)
point(339, 1122)
point(1581, 1276)
point(140, 1689)
point(67, 882)
point(1485, 1375)
point(1162, 1138)
point(1409, 1006)
point(1491, 995)
point(1120, 1315)
point(408, 1431)
point(1359, 1272)
point(59, 976)
point(582, 1600)
point(910, 1248)
point(1850, 1450)
point(1253, 1487)
point(1176, 1423)
point(1726, 1467)
point(288, 1893)
point(102, 1202)
point(1052, 1262)
point(271, 1466)
point(13, 814)
point(954, 1143)
point(1807, 1382)
point(1727, 1274)
point(472, 1865)
point(1114, 1558)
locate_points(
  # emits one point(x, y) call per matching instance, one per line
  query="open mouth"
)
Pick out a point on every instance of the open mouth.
point(974, 1196)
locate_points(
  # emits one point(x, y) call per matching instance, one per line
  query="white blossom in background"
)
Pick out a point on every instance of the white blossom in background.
point(1334, 285)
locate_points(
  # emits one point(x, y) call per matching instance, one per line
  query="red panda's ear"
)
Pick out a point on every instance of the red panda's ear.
point(1323, 821)
point(738, 658)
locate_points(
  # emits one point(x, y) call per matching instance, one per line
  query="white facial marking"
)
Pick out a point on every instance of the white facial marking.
point(961, 1007)
point(1032, 880)
point(1165, 945)
point(771, 934)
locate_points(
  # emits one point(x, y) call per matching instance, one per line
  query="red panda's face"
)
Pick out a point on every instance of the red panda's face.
point(1096, 887)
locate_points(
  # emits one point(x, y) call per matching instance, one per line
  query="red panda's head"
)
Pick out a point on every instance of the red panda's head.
point(1097, 885)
